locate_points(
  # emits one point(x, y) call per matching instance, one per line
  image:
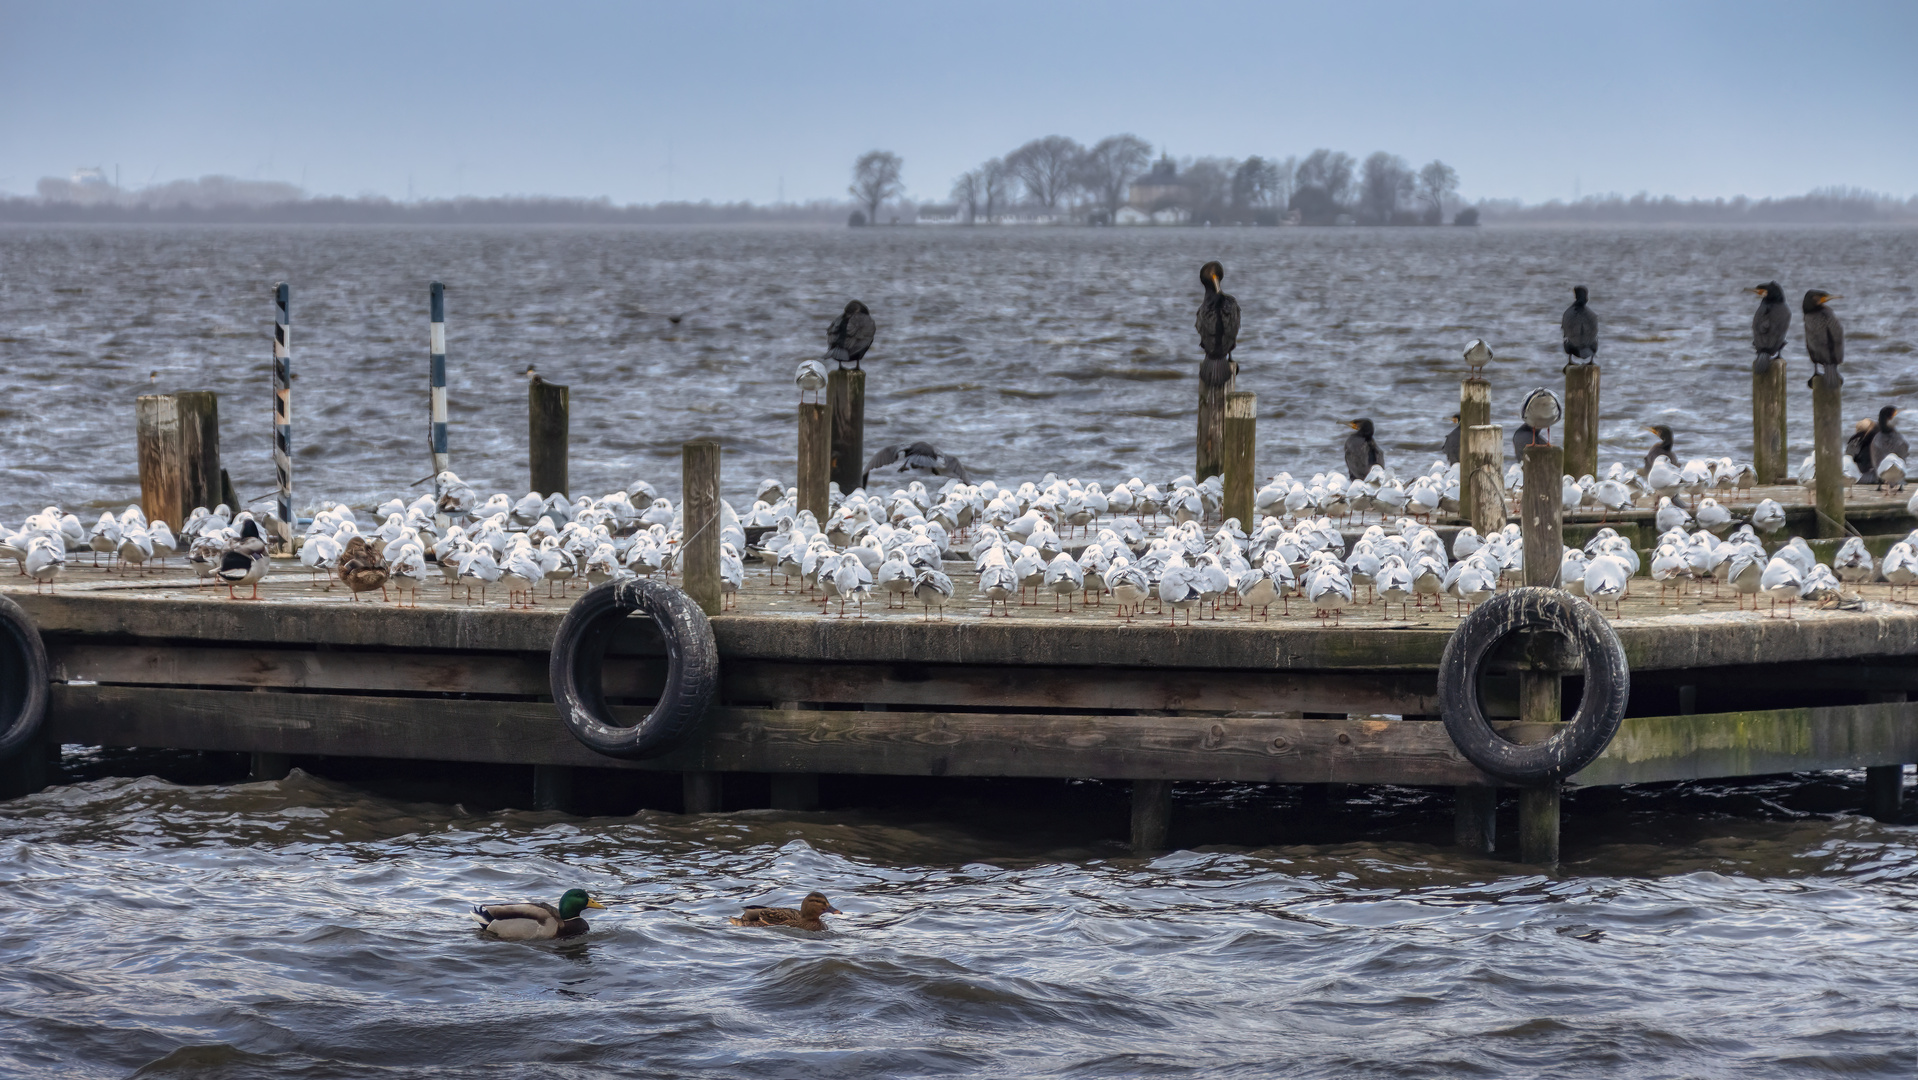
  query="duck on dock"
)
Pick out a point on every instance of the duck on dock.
point(361, 570)
point(805, 917)
point(245, 561)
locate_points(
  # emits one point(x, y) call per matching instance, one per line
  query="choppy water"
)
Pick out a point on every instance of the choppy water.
point(1020, 351)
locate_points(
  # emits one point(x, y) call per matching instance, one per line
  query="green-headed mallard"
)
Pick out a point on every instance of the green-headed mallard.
point(806, 918)
point(537, 921)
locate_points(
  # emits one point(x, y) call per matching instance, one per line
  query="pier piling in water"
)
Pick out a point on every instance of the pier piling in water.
point(283, 412)
point(1151, 815)
point(1482, 477)
point(1828, 449)
point(436, 434)
point(1768, 424)
point(1475, 821)
point(1474, 403)
point(1581, 419)
point(1211, 439)
point(1241, 465)
point(815, 458)
point(547, 409)
point(699, 552)
point(1543, 529)
point(179, 451)
point(846, 393)
point(700, 792)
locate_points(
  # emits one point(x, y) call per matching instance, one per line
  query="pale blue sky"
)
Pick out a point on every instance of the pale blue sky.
point(1526, 100)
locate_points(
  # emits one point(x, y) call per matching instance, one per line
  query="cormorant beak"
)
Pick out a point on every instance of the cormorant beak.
point(1829, 299)
point(1756, 291)
point(1353, 424)
point(595, 903)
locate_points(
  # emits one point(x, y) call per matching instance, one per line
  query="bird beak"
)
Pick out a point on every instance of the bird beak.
point(833, 910)
point(1756, 291)
point(1353, 424)
point(597, 904)
point(1829, 299)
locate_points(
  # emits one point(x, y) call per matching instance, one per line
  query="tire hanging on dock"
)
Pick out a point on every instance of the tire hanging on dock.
point(579, 653)
point(23, 680)
point(1608, 685)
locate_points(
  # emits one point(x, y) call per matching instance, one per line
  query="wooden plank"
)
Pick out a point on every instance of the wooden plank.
point(1650, 749)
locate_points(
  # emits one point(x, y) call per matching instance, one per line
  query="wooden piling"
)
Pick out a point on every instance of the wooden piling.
point(1543, 532)
point(846, 394)
point(700, 791)
point(1885, 784)
point(795, 791)
point(1151, 815)
point(1241, 466)
point(1768, 424)
point(267, 766)
point(436, 379)
point(699, 506)
point(547, 408)
point(1211, 437)
point(1482, 477)
point(283, 414)
point(179, 453)
point(815, 458)
point(1581, 419)
point(1475, 824)
point(1828, 448)
point(1538, 825)
point(1474, 403)
point(553, 787)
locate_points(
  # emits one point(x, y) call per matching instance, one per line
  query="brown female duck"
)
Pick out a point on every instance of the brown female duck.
point(361, 569)
point(806, 918)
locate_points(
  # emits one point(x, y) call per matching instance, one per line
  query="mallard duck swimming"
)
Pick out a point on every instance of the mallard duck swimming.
point(537, 921)
point(806, 918)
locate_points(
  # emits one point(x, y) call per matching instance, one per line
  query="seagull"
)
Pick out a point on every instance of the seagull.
point(1768, 517)
point(1477, 355)
point(934, 589)
point(998, 585)
point(1781, 580)
point(897, 465)
point(1540, 412)
point(1128, 585)
point(44, 560)
point(811, 378)
point(1065, 576)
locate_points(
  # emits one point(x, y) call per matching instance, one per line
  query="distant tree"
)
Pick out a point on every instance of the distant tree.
point(1285, 175)
point(1048, 168)
point(995, 186)
point(1255, 184)
point(1321, 185)
point(1208, 188)
point(1437, 183)
point(968, 191)
point(1467, 216)
point(1110, 167)
point(1384, 182)
point(875, 178)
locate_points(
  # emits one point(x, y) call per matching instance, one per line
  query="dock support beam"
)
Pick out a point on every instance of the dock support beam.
point(701, 792)
point(1151, 815)
point(815, 459)
point(1828, 449)
point(1538, 691)
point(699, 508)
point(1768, 423)
point(1241, 465)
point(267, 766)
point(795, 791)
point(179, 451)
point(1581, 419)
point(1538, 826)
point(1885, 784)
point(553, 787)
point(547, 423)
point(1481, 474)
point(1476, 826)
point(846, 392)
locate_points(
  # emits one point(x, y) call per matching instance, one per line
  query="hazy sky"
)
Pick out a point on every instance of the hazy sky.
point(640, 102)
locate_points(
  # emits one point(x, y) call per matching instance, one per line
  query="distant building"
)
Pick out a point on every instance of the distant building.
point(1160, 197)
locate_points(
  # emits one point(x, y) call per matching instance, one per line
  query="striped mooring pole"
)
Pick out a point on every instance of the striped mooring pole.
point(283, 409)
point(442, 461)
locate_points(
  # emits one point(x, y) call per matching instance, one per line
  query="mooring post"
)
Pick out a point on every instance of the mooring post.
point(1151, 815)
point(1241, 466)
point(846, 392)
point(1211, 438)
point(1475, 826)
point(436, 435)
point(1885, 784)
point(283, 411)
point(179, 452)
point(699, 513)
point(1768, 423)
point(795, 791)
point(815, 458)
point(553, 787)
point(1481, 475)
point(1474, 403)
point(547, 408)
point(1543, 532)
point(700, 791)
point(1581, 419)
point(1828, 449)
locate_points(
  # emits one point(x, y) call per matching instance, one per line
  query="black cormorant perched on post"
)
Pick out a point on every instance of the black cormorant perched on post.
point(1769, 324)
point(850, 335)
point(917, 461)
point(1887, 440)
point(1361, 453)
point(1452, 440)
point(1664, 447)
point(1824, 337)
point(1580, 324)
point(1218, 324)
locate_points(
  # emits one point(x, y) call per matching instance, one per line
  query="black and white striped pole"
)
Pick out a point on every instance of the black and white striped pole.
point(442, 461)
point(283, 410)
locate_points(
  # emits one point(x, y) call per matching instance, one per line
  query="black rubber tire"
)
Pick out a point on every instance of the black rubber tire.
point(1608, 686)
point(579, 652)
point(23, 680)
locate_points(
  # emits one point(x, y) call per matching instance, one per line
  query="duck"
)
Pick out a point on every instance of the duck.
point(361, 570)
point(245, 562)
point(536, 920)
point(806, 917)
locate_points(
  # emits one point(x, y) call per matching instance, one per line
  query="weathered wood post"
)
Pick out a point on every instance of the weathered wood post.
point(1828, 448)
point(699, 514)
point(1211, 438)
point(1475, 824)
point(436, 377)
point(815, 459)
point(179, 453)
point(283, 411)
point(1768, 423)
point(846, 392)
point(1474, 403)
point(553, 787)
point(1885, 784)
point(1538, 691)
point(700, 790)
point(1151, 815)
point(1241, 466)
point(547, 408)
point(1581, 419)
point(264, 765)
point(1482, 477)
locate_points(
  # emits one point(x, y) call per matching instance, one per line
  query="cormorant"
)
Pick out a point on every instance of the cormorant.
point(1540, 412)
point(1664, 447)
point(1858, 449)
point(1361, 453)
point(1523, 436)
point(1887, 440)
point(850, 335)
point(1824, 337)
point(1452, 440)
point(1218, 325)
point(1580, 324)
point(919, 460)
point(1769, 324)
